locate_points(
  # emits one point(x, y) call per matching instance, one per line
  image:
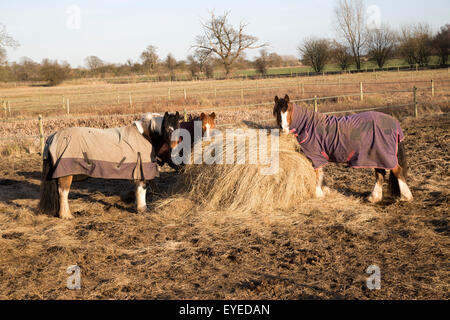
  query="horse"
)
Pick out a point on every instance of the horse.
point(208, 124)
point(365, 140)
point(117, 153)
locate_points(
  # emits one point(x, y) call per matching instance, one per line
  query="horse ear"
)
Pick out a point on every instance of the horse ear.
point(286, 98)
point(213, 115)
point(276, 99)
point(202, 116)
point(166, 114)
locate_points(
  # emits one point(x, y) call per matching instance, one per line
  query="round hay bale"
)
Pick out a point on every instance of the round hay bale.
point(242, 186)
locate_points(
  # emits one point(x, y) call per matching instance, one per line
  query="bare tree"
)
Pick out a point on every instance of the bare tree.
point(193, 65)
point(341, 55)
point(315, 53)
point(149, 58)
point(2, 56)
point(275, 60)
point(381, 44)
point(53, 72)
point(26, 70)
point(5, 39)
point(415, 43)
point(262, 62)
point(350, 25)
point(441, 42)
point(171, 64)
point(94, 62)
point(222, 39)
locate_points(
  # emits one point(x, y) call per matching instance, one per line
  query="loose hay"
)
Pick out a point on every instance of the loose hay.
point(242, 186)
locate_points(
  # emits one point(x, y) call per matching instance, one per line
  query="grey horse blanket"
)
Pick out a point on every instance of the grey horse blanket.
point(117, 153)
point(364, 140)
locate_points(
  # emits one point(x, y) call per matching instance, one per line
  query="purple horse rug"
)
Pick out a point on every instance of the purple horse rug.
point(364, 140)
point(117, 153)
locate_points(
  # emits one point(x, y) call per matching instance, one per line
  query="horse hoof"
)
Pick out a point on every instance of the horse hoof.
point(407, 199)
point(373, 199)
point(67, 216)
point(141, 209)
point(319, 193)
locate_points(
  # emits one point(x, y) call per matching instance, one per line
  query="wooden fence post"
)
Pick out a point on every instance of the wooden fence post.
point(215, 92)
point(185, 115)
point(68, 106)
point(432, 88)
point(63, 103)
point(315, 103)
point(185, 95)
point(131, 101)
point(41, 134)
point(415, 101)
point(361, 91)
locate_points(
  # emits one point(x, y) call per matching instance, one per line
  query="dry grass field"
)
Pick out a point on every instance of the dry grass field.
point(319, 249)
point(96, 97)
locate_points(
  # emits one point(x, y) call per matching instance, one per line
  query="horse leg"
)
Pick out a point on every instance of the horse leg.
point(140, 191)
point(64, 184)
point(377, 193)
point(319, 182)
point(405, 193)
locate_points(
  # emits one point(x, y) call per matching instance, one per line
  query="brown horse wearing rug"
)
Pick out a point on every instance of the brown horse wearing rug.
point(118, 153)
point(208, 124)
point(364, 140)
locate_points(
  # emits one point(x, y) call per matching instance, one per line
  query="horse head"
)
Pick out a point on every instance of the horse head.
point(208, 123)
point(170, 123)
point(282, 111)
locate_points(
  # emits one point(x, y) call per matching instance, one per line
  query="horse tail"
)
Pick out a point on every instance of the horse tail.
point(393, 181)
point(49, 197)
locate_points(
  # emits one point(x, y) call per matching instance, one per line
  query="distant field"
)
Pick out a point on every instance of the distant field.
point(95, 96)
point(331, 67)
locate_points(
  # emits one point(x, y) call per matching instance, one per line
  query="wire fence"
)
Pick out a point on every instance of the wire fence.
point(264, 105)
point(69, 104)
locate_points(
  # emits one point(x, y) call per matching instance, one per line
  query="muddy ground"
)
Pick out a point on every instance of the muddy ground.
point(320, 250)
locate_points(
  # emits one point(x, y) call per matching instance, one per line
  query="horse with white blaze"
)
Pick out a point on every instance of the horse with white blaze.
point(363, 140)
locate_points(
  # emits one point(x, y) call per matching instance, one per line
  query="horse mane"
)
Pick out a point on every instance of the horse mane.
point(194, 118)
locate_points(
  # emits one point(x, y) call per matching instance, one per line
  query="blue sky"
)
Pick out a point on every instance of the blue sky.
point(117, 30)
